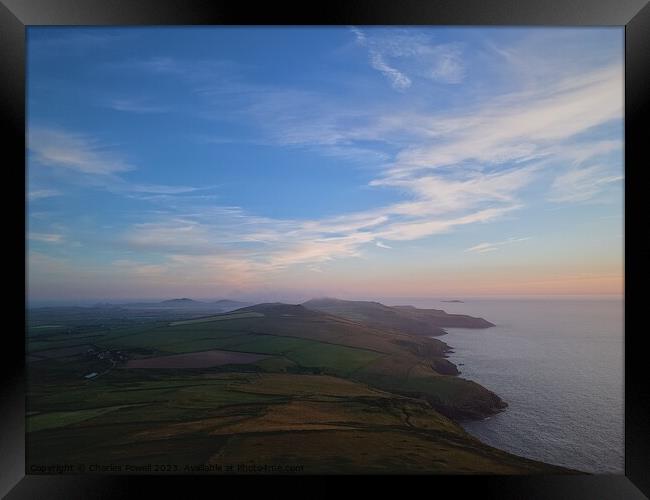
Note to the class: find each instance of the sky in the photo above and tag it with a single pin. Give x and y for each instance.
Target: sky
(354, 161)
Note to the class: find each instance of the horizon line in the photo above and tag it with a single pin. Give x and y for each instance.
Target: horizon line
(126, 300)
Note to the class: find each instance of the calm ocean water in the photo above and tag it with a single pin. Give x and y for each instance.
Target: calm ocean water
(559, 365)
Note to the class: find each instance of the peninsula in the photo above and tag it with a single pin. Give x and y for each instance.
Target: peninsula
(330, 385)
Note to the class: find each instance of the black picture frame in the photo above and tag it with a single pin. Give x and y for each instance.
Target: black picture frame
(16, 15)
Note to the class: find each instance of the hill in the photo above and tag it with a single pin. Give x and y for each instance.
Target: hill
(183, 301)
(405, 319)
(302, 339)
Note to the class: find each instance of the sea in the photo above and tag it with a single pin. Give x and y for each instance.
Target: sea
(559, 364)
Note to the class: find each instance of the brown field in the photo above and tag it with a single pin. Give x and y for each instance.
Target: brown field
(203, 359)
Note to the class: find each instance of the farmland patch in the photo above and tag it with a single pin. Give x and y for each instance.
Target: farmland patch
(203, 359)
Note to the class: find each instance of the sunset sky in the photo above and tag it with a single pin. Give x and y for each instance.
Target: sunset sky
(358, 162)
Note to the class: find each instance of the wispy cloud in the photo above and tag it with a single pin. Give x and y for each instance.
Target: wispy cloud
(46, 237)
(162, 188)
(449, 66)
(135, 106)
(438, 193)
(490, 247)
(255, 247)
(38, 194)
(582, 183)
(75, 152)
(397, 79)
(85, 160)
(518, 127)
(416, 53)
(536, 124)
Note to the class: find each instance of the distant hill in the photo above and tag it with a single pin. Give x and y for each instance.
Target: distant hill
(280, 309)
(406, 319)
(223, 305)
(181, 302)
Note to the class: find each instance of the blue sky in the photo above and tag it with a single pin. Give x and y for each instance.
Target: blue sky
(350, 161)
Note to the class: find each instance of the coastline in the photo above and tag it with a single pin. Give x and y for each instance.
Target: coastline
(558, 365)
(424, 406)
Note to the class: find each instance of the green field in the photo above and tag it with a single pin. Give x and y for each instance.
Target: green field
(340, 359)
(220, 317)
(56, 419)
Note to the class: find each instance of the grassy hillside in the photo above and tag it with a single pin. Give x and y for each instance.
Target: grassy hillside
(324, 392)
(322, 424)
